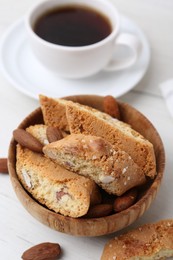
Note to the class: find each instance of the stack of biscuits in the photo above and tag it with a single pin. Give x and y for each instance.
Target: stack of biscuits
(86, 155)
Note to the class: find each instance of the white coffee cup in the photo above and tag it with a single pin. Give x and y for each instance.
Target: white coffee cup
(82, 61)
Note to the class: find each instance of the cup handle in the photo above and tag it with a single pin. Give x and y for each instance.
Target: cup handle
(133, 44)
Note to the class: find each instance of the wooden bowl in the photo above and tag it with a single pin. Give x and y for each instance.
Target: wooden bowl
(94, 226)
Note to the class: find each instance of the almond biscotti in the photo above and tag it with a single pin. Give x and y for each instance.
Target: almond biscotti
(53, 186)
(37, 167)
(77, 118)
(93, 157)
(148, 242)
(89, 121)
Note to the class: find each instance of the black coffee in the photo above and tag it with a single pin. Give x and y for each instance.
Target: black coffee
(73, 26)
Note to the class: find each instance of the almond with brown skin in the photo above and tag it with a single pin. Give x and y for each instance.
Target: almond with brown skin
(107, 198)
(125, 201)
(43, 251)
(110, 106)
(3, 165)
(53, 134)
(27, 140)
(100, 210)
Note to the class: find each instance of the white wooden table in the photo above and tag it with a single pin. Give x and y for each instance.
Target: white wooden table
(18, 229)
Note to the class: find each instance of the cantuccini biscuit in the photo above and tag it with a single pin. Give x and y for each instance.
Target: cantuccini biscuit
(148, 242)
(93, 157)
(89, 121)
(59, 189)
(77, 118)
(53, 186)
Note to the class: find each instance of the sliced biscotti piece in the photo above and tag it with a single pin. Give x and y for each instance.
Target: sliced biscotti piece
(93, 157)
(53, 186)
(148, 242)
(86, 120)
(54, 112)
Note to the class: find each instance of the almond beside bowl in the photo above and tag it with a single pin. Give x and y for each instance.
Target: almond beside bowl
(101, 225)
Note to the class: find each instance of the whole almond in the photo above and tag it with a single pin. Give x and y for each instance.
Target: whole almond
(125, 201)
(53, 134)
(110, 106)
(108, 198)
(3, 165)
(100, 210)
(43, 251)
(27, 140)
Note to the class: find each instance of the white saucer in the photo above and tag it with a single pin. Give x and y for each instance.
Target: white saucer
(27, 75)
